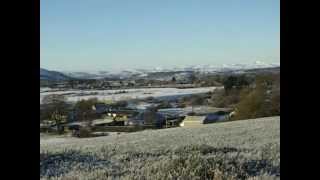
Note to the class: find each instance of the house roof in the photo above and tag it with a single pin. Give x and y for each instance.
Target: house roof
(194, 118)
(141, 116)
(75, 124)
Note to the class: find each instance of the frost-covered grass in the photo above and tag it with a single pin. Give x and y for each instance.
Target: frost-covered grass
(232, 150)
(131, 93)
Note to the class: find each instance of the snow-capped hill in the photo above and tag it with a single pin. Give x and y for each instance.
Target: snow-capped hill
(104, 74)
(207, 68)
(161, 72)
(52, 75)
(83, 75)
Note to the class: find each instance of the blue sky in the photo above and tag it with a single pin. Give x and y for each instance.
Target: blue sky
(79, 35)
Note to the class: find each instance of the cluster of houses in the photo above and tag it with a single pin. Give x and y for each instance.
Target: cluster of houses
(162, 118)
(128, 117)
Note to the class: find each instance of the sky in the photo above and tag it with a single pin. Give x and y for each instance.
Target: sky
(90, 35)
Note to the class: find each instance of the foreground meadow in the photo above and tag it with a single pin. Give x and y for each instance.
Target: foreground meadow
(248, 149)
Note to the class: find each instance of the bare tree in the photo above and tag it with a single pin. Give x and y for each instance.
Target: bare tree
(84, 109)
(150, 116)
(195, 100)
(56, 109)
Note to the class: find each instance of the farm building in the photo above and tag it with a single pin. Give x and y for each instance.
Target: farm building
(102, 122)
(174, 121)
(100, 108)
(215, 117)
(143, 117)
(193, 121)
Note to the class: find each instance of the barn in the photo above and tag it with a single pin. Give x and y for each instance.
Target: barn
(196, 121)
(143, 117)
(215, 117)
(193, 121)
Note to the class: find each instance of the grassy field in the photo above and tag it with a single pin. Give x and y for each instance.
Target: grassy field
(248, 149)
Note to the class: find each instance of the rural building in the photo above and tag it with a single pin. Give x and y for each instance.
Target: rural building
(193, 121)
(142, 118)
(174, 121)
(196, 121)
(100, 108)
(103, 122)
(215, 117)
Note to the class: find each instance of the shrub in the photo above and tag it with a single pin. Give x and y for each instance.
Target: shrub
(237, 82)
(55, 108)
(275, 96)
(251, 105)
(84, 109)
(262, 101)
(275, 101)
(222, 99)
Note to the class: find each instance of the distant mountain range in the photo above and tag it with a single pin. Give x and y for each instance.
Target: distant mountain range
(139, 73)
(52, 75)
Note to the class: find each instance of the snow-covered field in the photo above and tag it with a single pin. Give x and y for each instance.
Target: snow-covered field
(247, 149)
(77, 95)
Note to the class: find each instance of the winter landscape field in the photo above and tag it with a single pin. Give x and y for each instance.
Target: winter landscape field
(76, 95)
(159, 90)
(248, 149)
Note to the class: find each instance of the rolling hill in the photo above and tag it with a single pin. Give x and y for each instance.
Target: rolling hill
(52, 75)
(232, 150)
